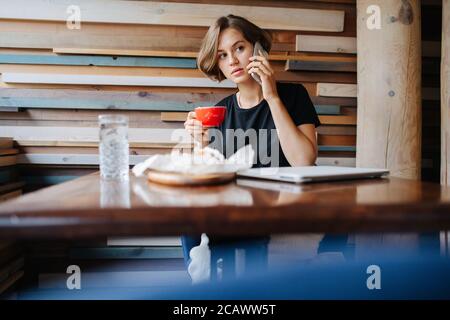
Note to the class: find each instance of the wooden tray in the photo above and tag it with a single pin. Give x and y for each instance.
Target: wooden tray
(182, 179)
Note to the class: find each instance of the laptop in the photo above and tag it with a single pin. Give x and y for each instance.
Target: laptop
(312, 173)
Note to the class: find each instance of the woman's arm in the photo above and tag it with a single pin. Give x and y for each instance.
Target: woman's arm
(299, 144)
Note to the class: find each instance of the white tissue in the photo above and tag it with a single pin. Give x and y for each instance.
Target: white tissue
(200, 266)
(201, 161)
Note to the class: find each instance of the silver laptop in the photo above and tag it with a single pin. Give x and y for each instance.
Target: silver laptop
(312, 173)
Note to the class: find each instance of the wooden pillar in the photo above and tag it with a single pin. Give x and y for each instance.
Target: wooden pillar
(389, 86)
(445, 94)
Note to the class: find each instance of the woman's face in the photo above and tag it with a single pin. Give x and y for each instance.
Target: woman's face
(233, 55)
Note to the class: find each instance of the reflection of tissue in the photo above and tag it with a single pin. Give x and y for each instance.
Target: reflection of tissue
(201, 161)
(200, 266)
(156, 195)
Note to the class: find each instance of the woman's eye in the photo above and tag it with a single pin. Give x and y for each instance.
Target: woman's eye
(222, 56)
(240, 48)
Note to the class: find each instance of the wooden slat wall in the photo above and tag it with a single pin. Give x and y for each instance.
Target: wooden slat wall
(53, 77)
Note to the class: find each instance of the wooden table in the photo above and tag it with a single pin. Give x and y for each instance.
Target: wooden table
(88, 207)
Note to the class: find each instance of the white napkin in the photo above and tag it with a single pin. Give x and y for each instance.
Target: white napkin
(201, 161)
(200, 265)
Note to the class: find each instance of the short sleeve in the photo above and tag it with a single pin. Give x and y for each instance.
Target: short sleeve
(302, 109)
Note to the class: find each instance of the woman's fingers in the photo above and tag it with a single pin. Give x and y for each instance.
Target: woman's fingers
(259, 72)
(260, 66)
(260, 60)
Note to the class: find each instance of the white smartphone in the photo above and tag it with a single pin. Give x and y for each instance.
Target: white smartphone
(256, 52)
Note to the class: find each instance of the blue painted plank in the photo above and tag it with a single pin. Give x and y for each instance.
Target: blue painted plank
(85, 60)
(159, 105)
(99, 104)
(327, 109)
(46, 180)
(337, 148)
(8, 174)
(127, 253)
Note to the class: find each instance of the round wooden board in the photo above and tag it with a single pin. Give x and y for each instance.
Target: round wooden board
(183, 179)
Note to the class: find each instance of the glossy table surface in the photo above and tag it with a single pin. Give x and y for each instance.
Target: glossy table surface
(90, 207)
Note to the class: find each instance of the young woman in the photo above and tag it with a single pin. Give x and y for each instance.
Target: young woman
(281, 109)
(282, 112)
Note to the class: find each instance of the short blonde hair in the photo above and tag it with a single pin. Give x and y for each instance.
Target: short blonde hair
(207, 59)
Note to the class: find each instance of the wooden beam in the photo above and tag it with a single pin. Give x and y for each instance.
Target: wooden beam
(84, 79)
(166, 13)
(389, 95)
(445, 94)
(313, 43)
(292, 65)
(336, 90)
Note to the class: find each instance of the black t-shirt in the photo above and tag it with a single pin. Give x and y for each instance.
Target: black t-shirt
(256, 125)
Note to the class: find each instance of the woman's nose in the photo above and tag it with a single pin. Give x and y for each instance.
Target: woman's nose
(232, 59)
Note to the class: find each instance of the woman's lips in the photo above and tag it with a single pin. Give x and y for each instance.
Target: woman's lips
(237, 72)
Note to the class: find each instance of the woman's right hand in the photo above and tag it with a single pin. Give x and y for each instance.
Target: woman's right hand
(196, 129)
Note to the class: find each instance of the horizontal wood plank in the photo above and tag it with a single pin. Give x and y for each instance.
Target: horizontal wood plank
(5, 142)
(85, 60)
(336, 90)
(324, 119)
(75, 134)
(113, 80)
(125, 52)
(165, 13)
(313, 43)
(292, 65)
(110, 100)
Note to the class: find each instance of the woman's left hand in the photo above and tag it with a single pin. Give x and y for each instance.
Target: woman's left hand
(261, 66)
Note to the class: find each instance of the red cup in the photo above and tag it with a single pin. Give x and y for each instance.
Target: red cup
(210, 116)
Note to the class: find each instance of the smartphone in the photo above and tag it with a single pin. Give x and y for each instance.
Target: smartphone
(256, 52)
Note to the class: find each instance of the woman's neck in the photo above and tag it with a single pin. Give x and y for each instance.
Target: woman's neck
(249, 95)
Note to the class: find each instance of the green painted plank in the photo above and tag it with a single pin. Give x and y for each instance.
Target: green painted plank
(337, 148)
(46, 180)
(8, 174)
(331, 66)
(127, 253)
(328, 109)
(85, 60)
(158, 105)
(100, 104)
